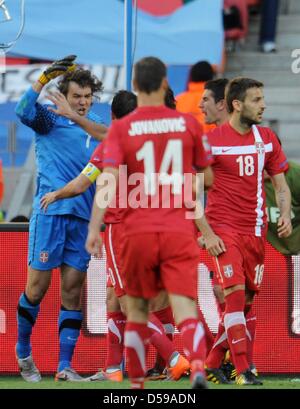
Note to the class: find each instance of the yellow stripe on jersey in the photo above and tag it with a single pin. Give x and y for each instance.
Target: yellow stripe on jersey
(91, 172)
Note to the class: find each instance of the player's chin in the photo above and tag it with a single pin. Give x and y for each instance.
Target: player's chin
(259, 118)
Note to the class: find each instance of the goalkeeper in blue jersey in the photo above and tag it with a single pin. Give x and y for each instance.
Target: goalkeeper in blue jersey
(65, 137)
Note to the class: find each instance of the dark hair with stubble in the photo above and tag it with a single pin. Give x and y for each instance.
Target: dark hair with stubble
(237, 89)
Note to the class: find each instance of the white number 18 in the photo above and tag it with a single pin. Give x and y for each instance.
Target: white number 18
(246, 165)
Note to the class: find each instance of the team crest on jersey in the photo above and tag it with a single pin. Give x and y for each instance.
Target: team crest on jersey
(260, 147)
(228, 271)
(44, 256)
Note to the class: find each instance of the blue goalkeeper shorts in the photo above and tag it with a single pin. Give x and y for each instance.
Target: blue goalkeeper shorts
(57, 240)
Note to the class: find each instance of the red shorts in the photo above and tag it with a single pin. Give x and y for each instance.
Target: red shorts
(152, 261)
(113, 240)
(243, 261)
(108, 281)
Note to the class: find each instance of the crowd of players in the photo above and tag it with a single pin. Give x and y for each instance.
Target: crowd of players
(151, 229)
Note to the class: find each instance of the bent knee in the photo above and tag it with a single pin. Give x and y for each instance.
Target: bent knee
(35, 294)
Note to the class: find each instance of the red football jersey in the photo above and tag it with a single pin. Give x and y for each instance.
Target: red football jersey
(113, 213)
(159, 146)
(236, 200)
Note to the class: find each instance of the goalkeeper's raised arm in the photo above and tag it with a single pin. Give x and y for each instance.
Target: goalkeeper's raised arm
(57, 68)
(76, 90)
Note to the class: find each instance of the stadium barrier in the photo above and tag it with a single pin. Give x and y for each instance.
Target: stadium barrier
(278, 311)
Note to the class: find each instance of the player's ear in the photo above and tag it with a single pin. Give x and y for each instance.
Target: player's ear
(237, 105)
(221, 105)
(134, 85)
(165, 84)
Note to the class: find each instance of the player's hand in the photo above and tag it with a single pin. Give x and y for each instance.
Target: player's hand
(62, 106)
(93, 243)
(284, 227)
(214, 245)
(58, 68)
(47, 199)
(201, 242)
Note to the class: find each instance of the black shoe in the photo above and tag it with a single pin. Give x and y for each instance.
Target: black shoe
(247, 378)
(154, 374)
(199, 381)
(216, 375)
(229, 371)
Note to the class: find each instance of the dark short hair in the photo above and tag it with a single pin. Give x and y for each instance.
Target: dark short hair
(170, 100)
(19, 219)
(123, 103)
(201, 71)
(217, 88)
(83, 78)
(237, 88)
(149, 73)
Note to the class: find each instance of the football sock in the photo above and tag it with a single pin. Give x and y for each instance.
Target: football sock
(69, 323)
(136, 343)
(166, 317)
(220, 346)
(235, 325)
(115, 338)
(208, 335)
(222, 306)
(159, 339)
(193, 337)
(250, 331)
(26, 317)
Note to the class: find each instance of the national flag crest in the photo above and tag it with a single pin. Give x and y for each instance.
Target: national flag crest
(260, 147)
(44, 256)
(228, 271)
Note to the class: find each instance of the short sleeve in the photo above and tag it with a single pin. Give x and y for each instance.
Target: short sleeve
(276, 160)
(97, 156)
(113, 155)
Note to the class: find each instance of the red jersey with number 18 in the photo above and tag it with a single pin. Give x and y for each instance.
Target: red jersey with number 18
(160, 148)
(236, 201)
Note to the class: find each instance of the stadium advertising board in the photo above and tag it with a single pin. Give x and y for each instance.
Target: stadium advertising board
(277, 307)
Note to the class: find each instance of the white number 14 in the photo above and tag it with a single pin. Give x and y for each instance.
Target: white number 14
(172, 157)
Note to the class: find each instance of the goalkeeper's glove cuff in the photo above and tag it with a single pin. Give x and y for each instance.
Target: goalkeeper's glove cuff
(43, 79)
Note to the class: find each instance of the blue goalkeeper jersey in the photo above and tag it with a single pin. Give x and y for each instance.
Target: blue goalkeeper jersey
(62, 150)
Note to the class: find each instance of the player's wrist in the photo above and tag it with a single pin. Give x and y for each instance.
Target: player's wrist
(43, 79)
(285, 215)
(93, 228)
(73, 116)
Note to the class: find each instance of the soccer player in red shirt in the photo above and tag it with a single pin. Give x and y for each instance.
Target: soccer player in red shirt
(236, 213)
(159, 249)
(123, 103)
(214, 108)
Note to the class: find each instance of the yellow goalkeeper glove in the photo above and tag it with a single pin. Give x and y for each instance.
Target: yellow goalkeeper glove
(58, 68)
